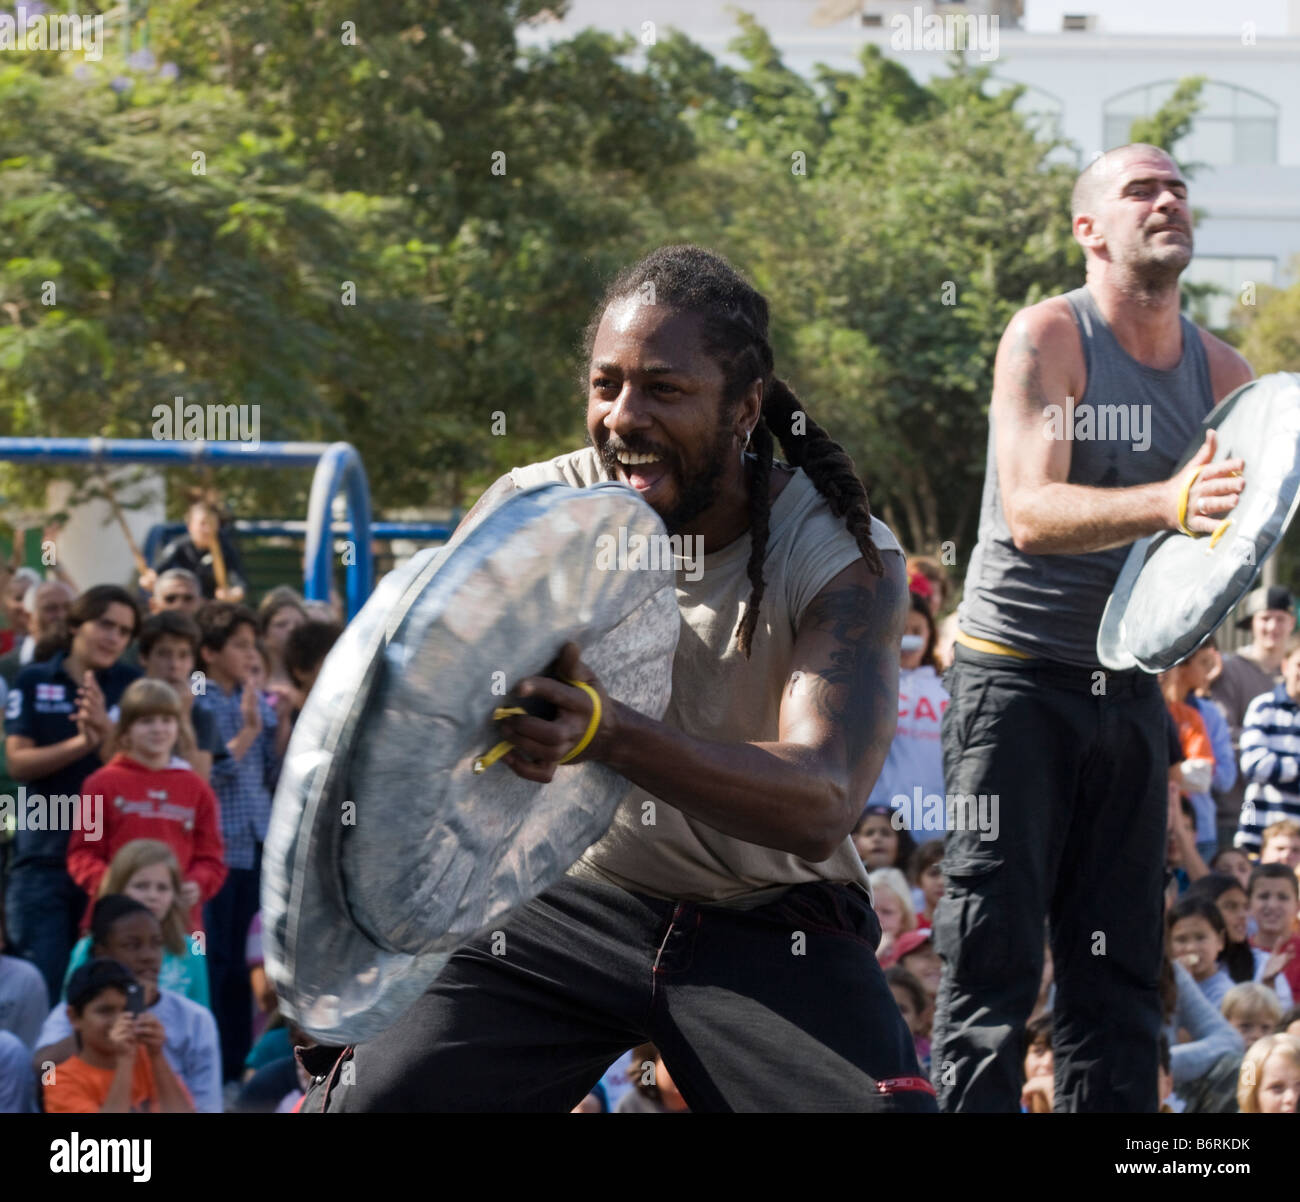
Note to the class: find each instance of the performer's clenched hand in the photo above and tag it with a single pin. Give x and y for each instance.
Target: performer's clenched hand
(540, 743)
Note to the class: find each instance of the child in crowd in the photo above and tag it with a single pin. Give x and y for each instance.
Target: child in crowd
(892, 901)
(927, 880)
(124, 930)
(146, 870)
(305, 652)
(119, 1066)
(244, 783)
(59, 712)
(1233, 862)
(259, 675)
(1196, 771)
(1252, 1011)
(1182, 861)
(1281, 844)
(915, 952)
(1196, 934)
(915, 1007)
(879, 842)
(1273, 905)
(1243, 962)
(150, 793)
(1039, 1067)
(1199, 672)
(1270, 1076)
(1270, 755)
(1210, 1048)
(280, 613)
(913, 769)
(169, 651)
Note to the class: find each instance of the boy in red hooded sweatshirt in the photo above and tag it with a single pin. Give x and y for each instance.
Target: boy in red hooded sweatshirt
(147, 792)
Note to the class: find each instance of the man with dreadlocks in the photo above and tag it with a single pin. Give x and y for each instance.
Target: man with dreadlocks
(735, 931)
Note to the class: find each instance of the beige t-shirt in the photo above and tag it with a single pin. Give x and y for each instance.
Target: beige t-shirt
(719, 695)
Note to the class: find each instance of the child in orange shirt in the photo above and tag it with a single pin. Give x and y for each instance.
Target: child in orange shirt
(119, 1067)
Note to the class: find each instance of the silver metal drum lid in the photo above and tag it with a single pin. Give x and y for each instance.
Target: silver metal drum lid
(385, 850)
(1174, 591)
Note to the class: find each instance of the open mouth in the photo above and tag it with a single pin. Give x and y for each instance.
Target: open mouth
(642, 471)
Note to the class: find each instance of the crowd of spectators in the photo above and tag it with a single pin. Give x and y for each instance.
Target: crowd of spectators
(131, 975)
(1231, 973)
(130, 968)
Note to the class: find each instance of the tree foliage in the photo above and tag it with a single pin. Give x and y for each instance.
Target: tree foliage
(201, 226)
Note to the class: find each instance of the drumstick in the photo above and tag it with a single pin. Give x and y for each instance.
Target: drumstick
(141, 566)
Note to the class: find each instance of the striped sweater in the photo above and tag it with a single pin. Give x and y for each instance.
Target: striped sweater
(1270, 766)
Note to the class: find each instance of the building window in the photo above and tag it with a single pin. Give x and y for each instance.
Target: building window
(1228, 277)
(1235, 127)
(1042, 111)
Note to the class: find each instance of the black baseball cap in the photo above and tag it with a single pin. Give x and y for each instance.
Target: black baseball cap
(1274, 597)
(93, 977)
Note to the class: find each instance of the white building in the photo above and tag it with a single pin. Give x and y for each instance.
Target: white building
(1090, 67)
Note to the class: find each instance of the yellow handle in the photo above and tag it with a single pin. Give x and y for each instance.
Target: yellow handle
(1182, 502)
(484, 762)
(592, 726)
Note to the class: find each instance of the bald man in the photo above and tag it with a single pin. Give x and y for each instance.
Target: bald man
(1096, 394)
(46, 606)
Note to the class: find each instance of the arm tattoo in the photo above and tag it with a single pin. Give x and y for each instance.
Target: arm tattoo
(859, 683)
(1030, 375)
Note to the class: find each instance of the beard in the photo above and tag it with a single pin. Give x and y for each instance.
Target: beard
(698, 482)
(1156, 268)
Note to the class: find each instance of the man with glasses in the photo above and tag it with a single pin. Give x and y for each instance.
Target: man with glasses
(178, 589)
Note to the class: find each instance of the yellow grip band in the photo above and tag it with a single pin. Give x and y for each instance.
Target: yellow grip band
(1219, 531)
(1182, 503)
(484, 762)
(592, 726)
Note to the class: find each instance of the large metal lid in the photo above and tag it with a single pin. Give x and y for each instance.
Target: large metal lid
(385, 850)
(1174, 591)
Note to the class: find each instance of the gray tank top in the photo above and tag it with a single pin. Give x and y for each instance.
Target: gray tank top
(1131, 426)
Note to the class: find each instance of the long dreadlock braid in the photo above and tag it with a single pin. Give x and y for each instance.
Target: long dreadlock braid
(734, 318)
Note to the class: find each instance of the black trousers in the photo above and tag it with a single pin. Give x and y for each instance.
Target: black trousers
(227, 917)
(1077, 762)
(779, 1008)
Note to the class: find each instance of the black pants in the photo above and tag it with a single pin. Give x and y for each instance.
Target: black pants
(44, 907)
(227, 918)
(1078, 765)
(782, 1007)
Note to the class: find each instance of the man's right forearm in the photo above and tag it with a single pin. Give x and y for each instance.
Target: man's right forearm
(1072, 519)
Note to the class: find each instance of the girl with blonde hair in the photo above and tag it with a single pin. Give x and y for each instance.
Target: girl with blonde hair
(892, 901)
(147, 870)
(1269, 1082)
